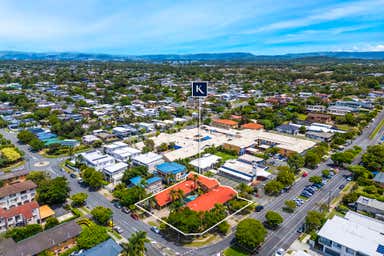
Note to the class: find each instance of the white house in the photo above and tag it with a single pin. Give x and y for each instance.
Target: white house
(125, 154)
(353, 235)
(114, 173)
(149, 160)
(109, 148)
(96, 159)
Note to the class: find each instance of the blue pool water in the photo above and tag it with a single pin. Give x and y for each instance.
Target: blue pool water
(190, 198)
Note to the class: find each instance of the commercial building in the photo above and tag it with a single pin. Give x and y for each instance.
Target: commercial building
(149, 160)
(205, 163)
(114, 173)
(353, 235)
(244, 171)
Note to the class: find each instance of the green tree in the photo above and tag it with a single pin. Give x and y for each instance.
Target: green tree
(316, 179)
(25, 136)
(36, 144)
(79, 199)
(223, 227)
(290, 205)
(51, 222)
(37, 176)
(52, 192)
(311, 159)
(273, 219)
(136, 244)
(273, 187)
(101, 214)
(373, 158)
(325, 173)
(250, 233)
(93, 178)
(285, 177)
(91, 235)
(21, 233)
(295, 162)
(314, 220)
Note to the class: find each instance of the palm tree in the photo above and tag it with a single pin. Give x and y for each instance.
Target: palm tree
(136, 244)
(174, 195)
(195, 178)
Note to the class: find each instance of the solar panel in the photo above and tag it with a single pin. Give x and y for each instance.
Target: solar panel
(380, 249)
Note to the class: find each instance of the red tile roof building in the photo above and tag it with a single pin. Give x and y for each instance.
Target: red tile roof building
(21, 215)
(207, 201)
(252, 126)
(215, 194)
(224, 123)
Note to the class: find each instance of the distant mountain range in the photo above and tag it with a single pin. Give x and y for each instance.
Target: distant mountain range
(233, 56)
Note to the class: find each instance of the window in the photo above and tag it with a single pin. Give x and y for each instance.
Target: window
(325, 241)
(336, 245)
(331, 252)
(349, 251)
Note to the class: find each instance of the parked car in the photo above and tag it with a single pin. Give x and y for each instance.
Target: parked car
(125, 210)
(117, 205)
(259, 208)
(135, 216)
(341, 186)
(118, 229)
(305, 174)
(280, 252)
(72, 175)
(155, 230)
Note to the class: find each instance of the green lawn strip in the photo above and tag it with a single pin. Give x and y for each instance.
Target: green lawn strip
(376, 130)
(225, 156)
(235, 251)
(13, 166)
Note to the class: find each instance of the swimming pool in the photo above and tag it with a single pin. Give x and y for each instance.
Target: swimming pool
(190, 198)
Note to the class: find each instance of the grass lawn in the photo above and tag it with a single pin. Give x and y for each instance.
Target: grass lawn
(225, 156)
(301, 116)
(344, 127)
(377, 129)
(202, 242)
(234, 251)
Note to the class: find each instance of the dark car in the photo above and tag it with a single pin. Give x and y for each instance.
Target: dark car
(259, 208)
(135, 216)
(341, 186)
(125, 210)
(117, 205)
(72, 175)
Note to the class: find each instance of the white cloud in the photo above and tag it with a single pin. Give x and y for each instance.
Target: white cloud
(327, 14)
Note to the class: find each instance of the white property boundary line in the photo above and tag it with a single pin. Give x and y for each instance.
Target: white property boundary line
(192, 234)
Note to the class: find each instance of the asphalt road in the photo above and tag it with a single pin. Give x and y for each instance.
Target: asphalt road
(286, 234)
(121, 219)
(280, 238)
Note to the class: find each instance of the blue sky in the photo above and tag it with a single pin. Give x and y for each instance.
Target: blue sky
(166, 26)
